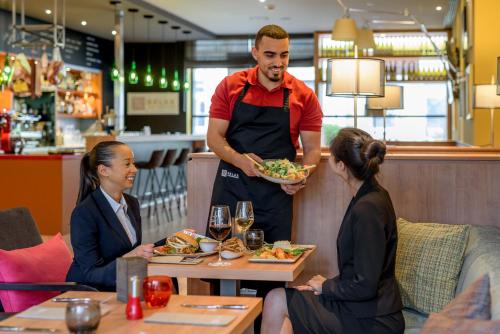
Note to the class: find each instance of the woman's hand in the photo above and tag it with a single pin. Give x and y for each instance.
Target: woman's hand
(145, 251)
(315, 284)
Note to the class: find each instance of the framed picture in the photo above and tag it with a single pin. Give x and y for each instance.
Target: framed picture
(145, 104)
(469, 92)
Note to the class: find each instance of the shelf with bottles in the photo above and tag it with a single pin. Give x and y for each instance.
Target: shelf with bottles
(401, 69)
(388, 44)
(78, 115)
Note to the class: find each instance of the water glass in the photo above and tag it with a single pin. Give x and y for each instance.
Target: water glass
(254, 239)
(83, 316)
(157, 290)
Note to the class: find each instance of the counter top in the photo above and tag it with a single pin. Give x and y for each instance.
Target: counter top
(163, 137)
(40, 156)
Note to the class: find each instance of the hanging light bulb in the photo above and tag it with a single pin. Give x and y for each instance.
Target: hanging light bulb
(7, 72)
(163, 79)
(148, 78)
(163, 82)
(115, 73)
(186, 84)
(176, 85)
(133, 77)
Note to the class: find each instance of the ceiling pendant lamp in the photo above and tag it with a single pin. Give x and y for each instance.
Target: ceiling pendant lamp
(115, 73)
(365, 38)
(186, 86)
(148, 78)
(6, 74)
(345, 29)
(163, 82)
(133, 77)
(176, 85)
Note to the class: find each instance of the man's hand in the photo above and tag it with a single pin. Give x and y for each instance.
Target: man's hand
(246, 165)
(291, 189)
(145, 251)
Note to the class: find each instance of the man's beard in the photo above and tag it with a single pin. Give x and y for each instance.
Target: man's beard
(275, 77)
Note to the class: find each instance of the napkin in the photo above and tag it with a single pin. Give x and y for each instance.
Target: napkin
(190, 319)
(51, 313)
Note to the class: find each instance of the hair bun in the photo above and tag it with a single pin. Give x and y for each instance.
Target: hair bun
(375, 151)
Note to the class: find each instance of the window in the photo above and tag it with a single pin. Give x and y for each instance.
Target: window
(424, 117)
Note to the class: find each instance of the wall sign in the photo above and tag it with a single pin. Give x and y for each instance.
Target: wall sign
(152, 104)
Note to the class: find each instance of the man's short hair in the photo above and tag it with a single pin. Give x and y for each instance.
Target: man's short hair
(271, 31)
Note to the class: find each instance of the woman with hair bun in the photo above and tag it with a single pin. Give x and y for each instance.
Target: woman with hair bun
(364, 297)
(106, 223)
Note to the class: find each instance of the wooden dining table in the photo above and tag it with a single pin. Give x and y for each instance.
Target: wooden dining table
(116, 322)
(240, 269)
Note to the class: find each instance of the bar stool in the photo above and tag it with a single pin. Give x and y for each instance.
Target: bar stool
(167, 186)
(150, 167)
(180, 184)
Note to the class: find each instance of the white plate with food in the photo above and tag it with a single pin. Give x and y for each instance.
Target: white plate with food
(283, 171)
(183, 243)
(279, 252)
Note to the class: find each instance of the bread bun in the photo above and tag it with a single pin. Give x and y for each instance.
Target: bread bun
(187, 238)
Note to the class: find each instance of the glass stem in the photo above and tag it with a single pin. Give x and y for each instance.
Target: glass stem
(220, 248)
(245, 238)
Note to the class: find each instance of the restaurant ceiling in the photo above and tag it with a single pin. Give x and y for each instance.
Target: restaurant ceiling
(208, 19)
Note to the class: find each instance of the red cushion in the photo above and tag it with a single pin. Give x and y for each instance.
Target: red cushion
(47, 262)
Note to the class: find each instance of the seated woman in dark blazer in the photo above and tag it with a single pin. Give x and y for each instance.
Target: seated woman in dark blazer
(364, 297)
(106, 223)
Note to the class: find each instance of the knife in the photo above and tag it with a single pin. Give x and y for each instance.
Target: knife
(217, 306)
(70, 299)
(27, 329)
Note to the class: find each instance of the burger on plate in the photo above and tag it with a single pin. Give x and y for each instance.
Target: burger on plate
(182, 243)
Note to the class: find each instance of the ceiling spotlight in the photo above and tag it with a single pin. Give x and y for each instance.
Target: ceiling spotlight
(262, 1)
(438, 8)
(48, 11)
(113, 32)
(83, 23)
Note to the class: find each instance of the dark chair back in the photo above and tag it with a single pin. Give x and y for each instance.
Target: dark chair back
(169, 158)
(18, 229)
(182, 159)
(154, 161)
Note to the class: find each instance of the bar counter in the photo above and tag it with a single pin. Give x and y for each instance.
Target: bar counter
(443, 187)
(46, 184)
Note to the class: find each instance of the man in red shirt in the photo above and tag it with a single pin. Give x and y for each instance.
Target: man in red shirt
(262, 112)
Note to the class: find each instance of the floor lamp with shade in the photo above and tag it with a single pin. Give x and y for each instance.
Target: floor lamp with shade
(353, 77)
(485, 97)
(393, 99)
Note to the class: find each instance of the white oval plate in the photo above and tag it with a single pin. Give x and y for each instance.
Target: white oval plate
(228, 255)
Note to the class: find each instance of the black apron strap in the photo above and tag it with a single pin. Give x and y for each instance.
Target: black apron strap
(286, 107)
(243, 92)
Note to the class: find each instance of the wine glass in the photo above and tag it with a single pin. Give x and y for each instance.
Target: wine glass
(244, 217)
(219, 226)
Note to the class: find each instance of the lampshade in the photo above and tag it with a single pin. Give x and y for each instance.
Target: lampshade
(393, 99)
(485, 96)
(355, 77)
(344, 29)
(365, 39)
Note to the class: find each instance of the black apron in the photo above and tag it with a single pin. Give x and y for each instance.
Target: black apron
(264, 131)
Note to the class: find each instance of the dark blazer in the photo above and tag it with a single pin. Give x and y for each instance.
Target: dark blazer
(98, 238)
(366, 254)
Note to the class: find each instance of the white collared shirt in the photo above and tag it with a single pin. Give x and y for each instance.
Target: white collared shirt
(120, 209)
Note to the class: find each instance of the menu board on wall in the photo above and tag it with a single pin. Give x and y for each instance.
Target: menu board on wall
(80, 49)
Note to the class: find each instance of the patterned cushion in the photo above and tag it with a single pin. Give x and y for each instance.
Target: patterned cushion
(441, 324)
(473, 303)
(428, 262)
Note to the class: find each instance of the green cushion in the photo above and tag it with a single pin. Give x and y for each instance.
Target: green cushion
(428, 263)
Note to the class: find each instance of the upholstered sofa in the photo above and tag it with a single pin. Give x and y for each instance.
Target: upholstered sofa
(482, 255)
